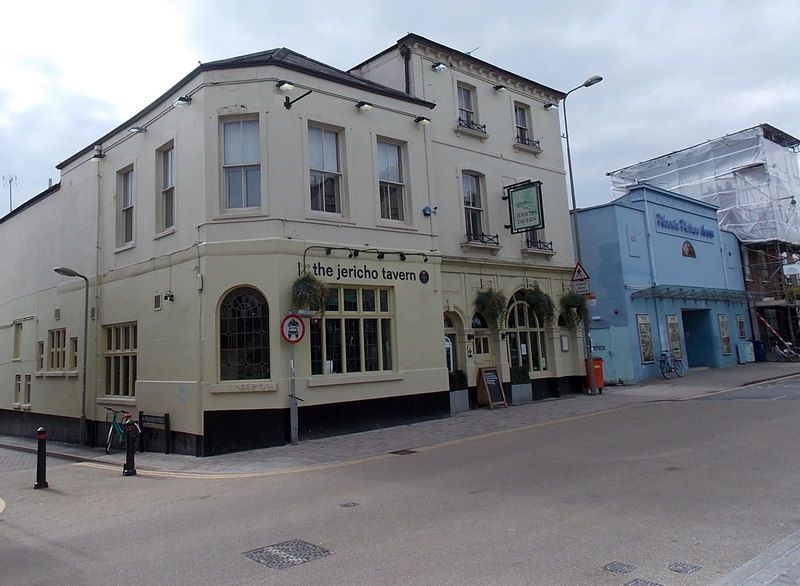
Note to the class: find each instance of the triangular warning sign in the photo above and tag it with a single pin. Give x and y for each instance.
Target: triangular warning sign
(579, 274)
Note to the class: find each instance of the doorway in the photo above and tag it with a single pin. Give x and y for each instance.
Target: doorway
(697, 329)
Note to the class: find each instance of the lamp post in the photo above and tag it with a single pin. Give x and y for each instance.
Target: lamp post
(587, 340)
(67, 272)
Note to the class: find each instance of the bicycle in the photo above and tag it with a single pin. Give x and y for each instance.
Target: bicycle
(785, 354)
(119, 429)
(670, 365)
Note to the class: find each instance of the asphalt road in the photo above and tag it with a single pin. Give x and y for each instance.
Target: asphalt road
(709, 482)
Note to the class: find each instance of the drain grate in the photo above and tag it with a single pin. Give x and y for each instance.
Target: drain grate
(682, 568)
(619, 568)
(287, 554)
(403, 452)
(639, 582)
(350, 504)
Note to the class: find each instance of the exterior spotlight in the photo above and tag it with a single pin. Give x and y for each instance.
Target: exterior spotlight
(355, 253)
(422, 121)
(424, 258)
(363, 106)
(328, 251)
(403, 256)
(182, 102)
(98, 153)
(284, 86)
(438, 66)
(137, 129)
(499, 87)
(381, 256)
(550, 106)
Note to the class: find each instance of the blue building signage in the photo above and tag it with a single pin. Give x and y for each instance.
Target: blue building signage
(683, 227)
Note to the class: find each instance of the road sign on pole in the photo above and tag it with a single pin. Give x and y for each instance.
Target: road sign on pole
(579, 273)
(581, 287)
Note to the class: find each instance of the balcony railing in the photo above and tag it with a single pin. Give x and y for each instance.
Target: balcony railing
(482, 238)
(540, 245)
(470, 125)
(524, 140)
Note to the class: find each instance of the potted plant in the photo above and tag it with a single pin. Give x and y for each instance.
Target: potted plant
(541, 304)
(574, 308)
(521, 389)
(459, 395)
(492, 305)
(308, 292)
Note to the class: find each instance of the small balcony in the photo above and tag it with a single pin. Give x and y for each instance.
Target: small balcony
(479, 240)
(539, 247)
(525, 143)
(471, 128)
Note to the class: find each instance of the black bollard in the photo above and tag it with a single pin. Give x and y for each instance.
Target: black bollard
(129, 469)
(41, 459)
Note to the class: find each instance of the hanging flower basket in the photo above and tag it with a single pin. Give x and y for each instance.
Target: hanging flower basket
(308, 292)
(541, 304)
(492, 305)
(574, 308)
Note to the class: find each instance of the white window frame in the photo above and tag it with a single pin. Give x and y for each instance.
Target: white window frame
(165, 189)
(472, 210)
(40, 351)
(389, 183)
(126, 200)
(26, 395)
(16, 352)
(329, 169)
(120, 352)
(56, 349)
(523, 132)
(243, 166)
(467, 107)
(17, 389)
(73, 354)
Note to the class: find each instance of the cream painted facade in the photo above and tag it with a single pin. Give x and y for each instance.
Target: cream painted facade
(170, 283)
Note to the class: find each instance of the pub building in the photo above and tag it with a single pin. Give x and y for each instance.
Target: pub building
(409, 186)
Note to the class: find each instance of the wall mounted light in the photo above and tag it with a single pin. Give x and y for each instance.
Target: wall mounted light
(424, 258)
(328, 251)
(182, 102)
(381, 256)
(284, 85)
(438, 66)
(550, 106)
(428, 210)
(402, 256)
(422, 121)
(98, 153)
(363, 106)
(499, 87)
(137, 129)
(353, 254)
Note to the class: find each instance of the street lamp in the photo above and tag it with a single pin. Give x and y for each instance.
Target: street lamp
(67, 272)
(595, 79)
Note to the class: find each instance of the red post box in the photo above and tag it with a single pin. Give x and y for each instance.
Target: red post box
(598, 373)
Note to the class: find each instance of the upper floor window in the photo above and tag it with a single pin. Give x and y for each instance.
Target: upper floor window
(56, 349)
(466, 111)
(521, 119)
(125, 201)
(392, 185)
(244, 335)
(535, 240)
(241, 164)
(473, 205)
(325, 170)
(165, 206)
(17, 347)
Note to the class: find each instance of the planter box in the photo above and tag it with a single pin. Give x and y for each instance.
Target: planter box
(459, 401)
(519, 394)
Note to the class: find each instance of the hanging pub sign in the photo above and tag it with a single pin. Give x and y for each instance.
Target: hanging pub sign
(525, 206)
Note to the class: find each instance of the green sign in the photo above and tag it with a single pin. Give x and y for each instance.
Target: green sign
(525, 206)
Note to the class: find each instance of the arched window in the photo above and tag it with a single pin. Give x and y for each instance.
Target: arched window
(525, 335)
(244, 335)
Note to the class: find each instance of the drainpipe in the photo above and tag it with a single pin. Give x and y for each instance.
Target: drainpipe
(406, 53)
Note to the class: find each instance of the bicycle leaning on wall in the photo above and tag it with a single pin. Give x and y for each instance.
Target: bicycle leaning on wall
(783, 353)
(670, 365)
(118, 432)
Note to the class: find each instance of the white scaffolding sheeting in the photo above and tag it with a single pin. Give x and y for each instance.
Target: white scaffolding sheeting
(751, 176)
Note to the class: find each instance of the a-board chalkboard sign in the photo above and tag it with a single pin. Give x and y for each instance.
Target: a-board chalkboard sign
(490, 389)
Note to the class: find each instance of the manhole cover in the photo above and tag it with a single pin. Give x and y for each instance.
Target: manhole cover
(682, 568)
(639, 582)
(403, 452)
(619, 568)
(287, 554)
(350, 504)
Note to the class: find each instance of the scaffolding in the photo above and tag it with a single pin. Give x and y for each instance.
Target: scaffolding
(751, 176)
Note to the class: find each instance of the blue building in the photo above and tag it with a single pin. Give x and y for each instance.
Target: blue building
(665, 277)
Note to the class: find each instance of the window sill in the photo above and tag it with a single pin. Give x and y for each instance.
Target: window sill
(537, 252)
(227, 214)
(16, 405)
(395, 224)
(25, 406)
(330, 217)
(16, 359)
(536, 151)
(329, 380)
(243, 387)
(124, 247)
(52, 373)
(111, 400)
(166, 232)
(72, 373)
(459, 130)
(471, 244)
(38, 373)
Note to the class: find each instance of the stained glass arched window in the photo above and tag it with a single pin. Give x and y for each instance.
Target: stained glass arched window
(525, 335)
(244, 335)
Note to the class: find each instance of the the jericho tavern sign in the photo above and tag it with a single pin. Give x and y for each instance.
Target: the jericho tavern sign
(525, 206)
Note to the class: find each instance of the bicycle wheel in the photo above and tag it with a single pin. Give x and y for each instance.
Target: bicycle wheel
(680, 369)
(110, 439)
(666, 371)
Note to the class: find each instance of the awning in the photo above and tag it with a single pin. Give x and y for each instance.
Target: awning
(683, 292)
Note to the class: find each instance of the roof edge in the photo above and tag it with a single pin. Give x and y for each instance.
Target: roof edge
(32, 201)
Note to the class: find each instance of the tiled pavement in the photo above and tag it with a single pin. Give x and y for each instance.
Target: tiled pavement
(780, 564)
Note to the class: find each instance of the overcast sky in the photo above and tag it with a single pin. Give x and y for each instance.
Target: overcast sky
(676, 72)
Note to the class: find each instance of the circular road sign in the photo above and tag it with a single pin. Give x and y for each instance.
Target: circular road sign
(293, 328)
